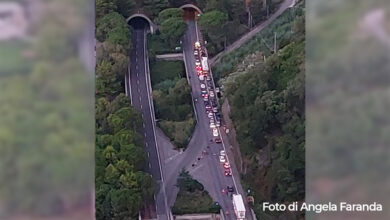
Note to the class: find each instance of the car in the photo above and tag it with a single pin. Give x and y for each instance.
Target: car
(206, 98)
(198, 68)
(197, 45)
(215, 132)
(230, 188)
(197, 63)
(222, 153)
(211, 93)
(204, 93)
(218, 140)
(228, 172)
(212, 125)
(222, 159)
(202, 86)
(208, 78)
(208, 107)
(210, 115)
(199, 72)
(196, 52)
(218, 123)
(226, 165)
(224, 191)
(201, 77)
(215, 109)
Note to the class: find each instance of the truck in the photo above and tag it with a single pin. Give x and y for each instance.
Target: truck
(205, 65)
(239, 207)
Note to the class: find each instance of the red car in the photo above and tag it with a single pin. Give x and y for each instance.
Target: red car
(198, 68)
(228, 172)
(226, 165)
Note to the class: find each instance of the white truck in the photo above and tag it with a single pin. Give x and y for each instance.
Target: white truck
(205, 65)
(239, 207)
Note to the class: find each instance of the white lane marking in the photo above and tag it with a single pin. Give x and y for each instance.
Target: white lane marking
(143, 125)
(147, 145)
(131, 98)
(137, 81)
(139, 98)
(148, 152)
(141, 106)
(153, 126)
(150, 166)
(137, 74)
(145, 134)
(139, 91)
(136, 67)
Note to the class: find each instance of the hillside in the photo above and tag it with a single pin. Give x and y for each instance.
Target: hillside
(267, 102)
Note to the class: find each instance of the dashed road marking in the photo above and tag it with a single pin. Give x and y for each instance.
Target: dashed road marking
(150, 166)
(148, 154)
(143, 125)
(138, 82)
(141, 106)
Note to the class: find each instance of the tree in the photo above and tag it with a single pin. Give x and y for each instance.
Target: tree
(153, 7)
(172, 25)
(125, 7)
(104, 7)
(113, 27)
(213, 23)
(170, 13)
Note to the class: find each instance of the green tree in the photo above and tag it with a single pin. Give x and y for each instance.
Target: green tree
(172, 25)
(213, 24)
(113, 27)
(103, 7)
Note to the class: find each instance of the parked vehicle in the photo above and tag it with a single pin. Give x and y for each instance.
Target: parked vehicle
(215, 132)
(218, 140)
(230, 188)
(228, 172)
(222, 159)
(222, 153)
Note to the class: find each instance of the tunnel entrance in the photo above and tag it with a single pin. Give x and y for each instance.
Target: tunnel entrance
(140, 21)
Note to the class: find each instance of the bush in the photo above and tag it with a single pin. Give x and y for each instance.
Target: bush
(192, 198)
(179, 132)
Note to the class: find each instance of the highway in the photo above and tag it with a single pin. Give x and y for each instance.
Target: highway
(138, 88)
(208, 170)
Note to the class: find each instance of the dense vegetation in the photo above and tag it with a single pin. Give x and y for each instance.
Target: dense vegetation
(46, 123)
(192, 198)
(224, 21)
(268, 114)
(172, 98)
(264, 42)
(121, 183)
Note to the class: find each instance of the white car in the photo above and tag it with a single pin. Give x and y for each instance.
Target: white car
(210, 115)
(222, 153)
(222, 159)
(212, 94)
(202, 86)
(212, 125)
(201, 77)
(197, 63)
(215, 132)
(196, 53)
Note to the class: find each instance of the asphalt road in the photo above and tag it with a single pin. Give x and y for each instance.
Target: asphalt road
(139, 90)
(208, 170)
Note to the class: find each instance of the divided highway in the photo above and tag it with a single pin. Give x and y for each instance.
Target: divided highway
(137, 83)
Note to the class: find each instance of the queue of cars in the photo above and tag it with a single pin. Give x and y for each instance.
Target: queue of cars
(207, 90)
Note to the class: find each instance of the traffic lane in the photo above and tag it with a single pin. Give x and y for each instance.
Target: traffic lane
(219, 180)
(141, 102)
